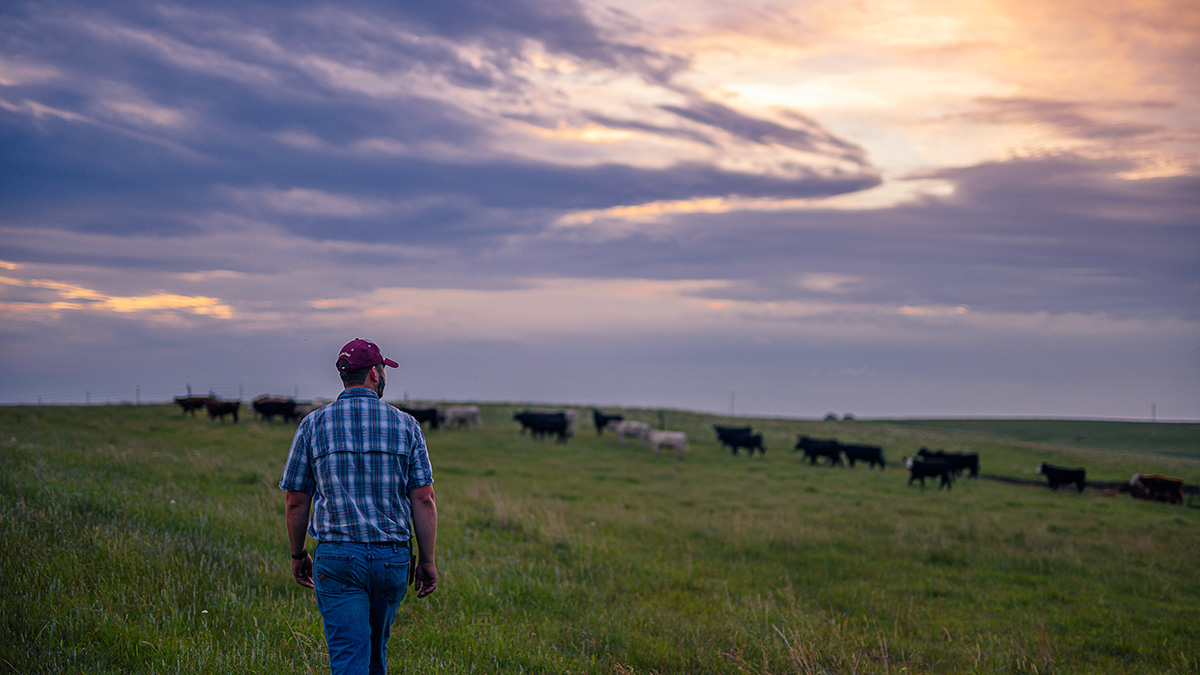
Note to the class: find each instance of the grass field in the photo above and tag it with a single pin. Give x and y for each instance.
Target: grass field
(141, 541)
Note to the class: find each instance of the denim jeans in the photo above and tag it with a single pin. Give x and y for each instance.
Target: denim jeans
(359, 589)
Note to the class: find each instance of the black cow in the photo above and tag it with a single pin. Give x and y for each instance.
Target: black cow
(191, 404)
(871, 454)
(920, 469)
(750, 442)
(601, 420)
(733, 437)
(1057, 476)
(815, 448)
(741, 437)
(541, 423)
(524, 418)
(959, 461)
(269, 407)
(723, 431)
(219, 409)
(423, 415)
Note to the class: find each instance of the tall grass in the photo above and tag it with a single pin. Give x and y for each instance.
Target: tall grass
(142, 541)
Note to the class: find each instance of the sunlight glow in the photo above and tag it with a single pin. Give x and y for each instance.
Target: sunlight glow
(662, 308)
(890, 193)
(74, 297)
(589, 133)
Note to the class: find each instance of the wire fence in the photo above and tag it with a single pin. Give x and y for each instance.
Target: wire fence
(138, 394)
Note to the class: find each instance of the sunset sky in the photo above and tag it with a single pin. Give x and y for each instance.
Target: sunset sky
(890, 208)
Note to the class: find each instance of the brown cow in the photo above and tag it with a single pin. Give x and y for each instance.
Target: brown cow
(1157, 488)
(191, 404)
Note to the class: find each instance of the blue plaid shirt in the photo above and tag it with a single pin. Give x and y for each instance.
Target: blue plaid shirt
(358, 457)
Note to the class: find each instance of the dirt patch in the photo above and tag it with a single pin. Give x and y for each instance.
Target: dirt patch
(1102, 488)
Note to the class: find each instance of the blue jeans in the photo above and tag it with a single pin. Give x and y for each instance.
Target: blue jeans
(359, 589)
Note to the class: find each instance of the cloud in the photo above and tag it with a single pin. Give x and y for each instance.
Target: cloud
(686, 187)
(38, 110)
(70, 297)
(175, 51)
(809, 138)
(300, 201)
(14, 73)
(142, 113)
(1075, 119)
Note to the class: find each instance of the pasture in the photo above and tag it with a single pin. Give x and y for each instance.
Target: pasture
(139, 540)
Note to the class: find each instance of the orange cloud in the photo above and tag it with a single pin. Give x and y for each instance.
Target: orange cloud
(74, 297)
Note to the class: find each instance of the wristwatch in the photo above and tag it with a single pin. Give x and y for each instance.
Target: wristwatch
(301, 555)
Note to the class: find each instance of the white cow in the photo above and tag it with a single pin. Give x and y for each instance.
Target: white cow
(626, 429)
(303, 409)
(456, 416)
(669, 439)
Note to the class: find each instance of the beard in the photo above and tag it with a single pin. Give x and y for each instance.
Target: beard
(382, 383)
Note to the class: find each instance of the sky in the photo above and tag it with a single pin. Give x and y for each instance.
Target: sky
(887, 208)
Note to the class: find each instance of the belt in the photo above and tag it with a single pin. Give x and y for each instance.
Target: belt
(410, 544)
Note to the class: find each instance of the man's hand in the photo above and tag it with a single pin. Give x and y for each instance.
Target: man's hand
(426, 578)
(296, 508)
(302, 570)
(424, 520)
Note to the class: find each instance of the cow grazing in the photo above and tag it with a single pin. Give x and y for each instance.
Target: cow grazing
(460, 417)
(424, 416)
(571, 414)
(815, 448)
(750, 442)
(871, 454)
(1061, 475)
(920, 469)
(626, 429)
(667, 439)
(524, 417)
(959, 461)
(268, 408)
(190, 404)
(219, 409)
(736, 438)
(1156, 487)
(724, 433)
(541, 424)
(602, 420)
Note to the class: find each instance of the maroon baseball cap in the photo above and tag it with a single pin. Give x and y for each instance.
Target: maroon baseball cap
(360, 353)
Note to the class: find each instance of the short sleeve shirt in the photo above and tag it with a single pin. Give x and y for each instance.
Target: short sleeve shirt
(358, 457)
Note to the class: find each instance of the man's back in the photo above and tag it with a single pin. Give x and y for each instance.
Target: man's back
(359, 457)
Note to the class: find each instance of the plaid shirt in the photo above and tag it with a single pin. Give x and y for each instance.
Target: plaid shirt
(359, 458)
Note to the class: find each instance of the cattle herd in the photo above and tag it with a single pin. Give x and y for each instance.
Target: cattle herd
(943, 466)
(290, 410)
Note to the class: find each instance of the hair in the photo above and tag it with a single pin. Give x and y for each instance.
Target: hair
(354, 378)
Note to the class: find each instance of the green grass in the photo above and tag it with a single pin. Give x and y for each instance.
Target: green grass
(141, 541)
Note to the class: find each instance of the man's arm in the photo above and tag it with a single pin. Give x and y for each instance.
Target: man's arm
(296, 513)
(424, 520)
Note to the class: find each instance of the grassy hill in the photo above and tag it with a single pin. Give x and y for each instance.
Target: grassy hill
(143, 541)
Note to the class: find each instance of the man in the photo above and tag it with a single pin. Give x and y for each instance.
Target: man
(363, 468)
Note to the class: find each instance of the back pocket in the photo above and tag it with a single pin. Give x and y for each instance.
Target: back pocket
(333, 574)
